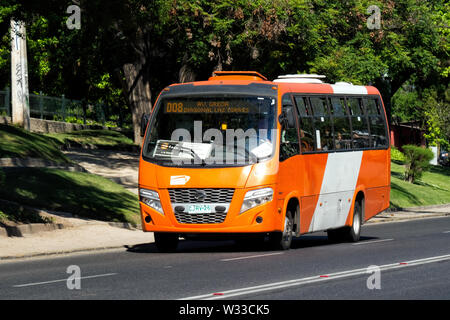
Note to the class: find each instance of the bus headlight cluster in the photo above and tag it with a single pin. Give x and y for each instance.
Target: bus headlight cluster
(255, 198)
(151, 198)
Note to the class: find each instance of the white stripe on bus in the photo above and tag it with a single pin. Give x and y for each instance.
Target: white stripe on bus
(338, 186)
(348, 89)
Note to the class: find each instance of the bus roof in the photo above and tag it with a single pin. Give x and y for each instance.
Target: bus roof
(301, 83)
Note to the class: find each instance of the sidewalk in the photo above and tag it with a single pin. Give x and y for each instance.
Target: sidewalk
(412, 213)
(78, 238)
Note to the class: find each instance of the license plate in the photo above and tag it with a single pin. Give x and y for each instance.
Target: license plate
(199, 208)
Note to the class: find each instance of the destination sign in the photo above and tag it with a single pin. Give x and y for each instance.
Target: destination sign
(210, 106)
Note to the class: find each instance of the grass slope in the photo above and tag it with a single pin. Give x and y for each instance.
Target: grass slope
(18, 143)
(82, 194)
(103, 138)
(433, 188)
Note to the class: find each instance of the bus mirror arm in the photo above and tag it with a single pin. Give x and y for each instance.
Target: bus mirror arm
(144, 121)
(286, 118)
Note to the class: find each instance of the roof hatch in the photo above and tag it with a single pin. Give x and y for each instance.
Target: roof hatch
(300, 78)
(237, 75)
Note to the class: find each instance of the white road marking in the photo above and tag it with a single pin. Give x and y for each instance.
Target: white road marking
(370, 242)
(313, 279)
(251, 257)
(61, 280)
(446, 231)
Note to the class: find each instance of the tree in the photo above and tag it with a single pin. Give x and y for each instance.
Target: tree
(437, 117)
(128, 50)
(417, 160)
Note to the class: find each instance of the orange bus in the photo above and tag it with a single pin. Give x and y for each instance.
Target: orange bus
(240, 155)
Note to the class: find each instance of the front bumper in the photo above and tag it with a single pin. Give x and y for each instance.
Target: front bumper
(235, 222)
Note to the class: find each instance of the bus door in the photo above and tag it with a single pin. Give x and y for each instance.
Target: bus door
(289, 169)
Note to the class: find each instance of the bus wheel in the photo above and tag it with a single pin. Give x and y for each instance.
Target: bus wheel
(283, 240)
(166, 242)
(351, 233)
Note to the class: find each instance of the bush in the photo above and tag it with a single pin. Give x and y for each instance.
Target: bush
(397, 155)
(417, 160)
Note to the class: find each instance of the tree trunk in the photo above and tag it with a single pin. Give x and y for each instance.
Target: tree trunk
(186, 74)
(139, 95)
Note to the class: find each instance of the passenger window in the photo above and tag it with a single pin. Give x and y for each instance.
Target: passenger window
(322, 124)
(306, 127)
(372, 107)
(354, 105)
(302, 107)
(377, 123)
(289, 146)
(341, 123)
(360, 129)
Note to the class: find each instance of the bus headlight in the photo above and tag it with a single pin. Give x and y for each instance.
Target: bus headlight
(255, 198)
(151, 198)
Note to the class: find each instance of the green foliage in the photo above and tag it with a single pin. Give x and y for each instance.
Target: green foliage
(83, 194)
(406, 104)
(397, 155)
(18, 143)
(99, 138)
(185, 40)
(12, 212)
(437, 116)
(417, 160)
(432, 189)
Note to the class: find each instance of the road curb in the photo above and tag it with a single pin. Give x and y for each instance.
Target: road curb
(21, 230)
(413, 209)
(32, 228)
(61, 252)
(384, 219)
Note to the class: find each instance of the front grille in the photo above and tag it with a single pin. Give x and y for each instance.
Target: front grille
(192, 195)
(203, 218)
(215, 197)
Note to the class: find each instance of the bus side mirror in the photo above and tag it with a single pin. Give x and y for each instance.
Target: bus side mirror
(287, 117)
(144, 121)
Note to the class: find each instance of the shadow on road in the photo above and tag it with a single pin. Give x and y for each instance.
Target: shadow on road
(207, 246)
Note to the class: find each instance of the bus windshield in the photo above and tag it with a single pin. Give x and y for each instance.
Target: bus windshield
(222, 130)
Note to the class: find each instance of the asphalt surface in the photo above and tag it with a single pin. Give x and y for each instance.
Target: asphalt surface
(413, 257)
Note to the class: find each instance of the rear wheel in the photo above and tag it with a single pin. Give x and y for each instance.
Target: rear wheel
(354, 232)
(283, 240)
(166, 242)
(351, 233)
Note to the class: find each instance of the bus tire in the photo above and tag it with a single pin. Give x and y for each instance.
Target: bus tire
(351, 233)
(166, 242)
(283, 240)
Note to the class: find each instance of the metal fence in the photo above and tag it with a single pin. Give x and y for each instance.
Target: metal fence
(63, 109)
(5, 106)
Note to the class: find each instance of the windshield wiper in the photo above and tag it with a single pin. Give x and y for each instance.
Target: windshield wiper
(192, 153)
(251, 156)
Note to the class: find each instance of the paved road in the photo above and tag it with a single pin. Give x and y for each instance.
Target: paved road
(414, 258)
